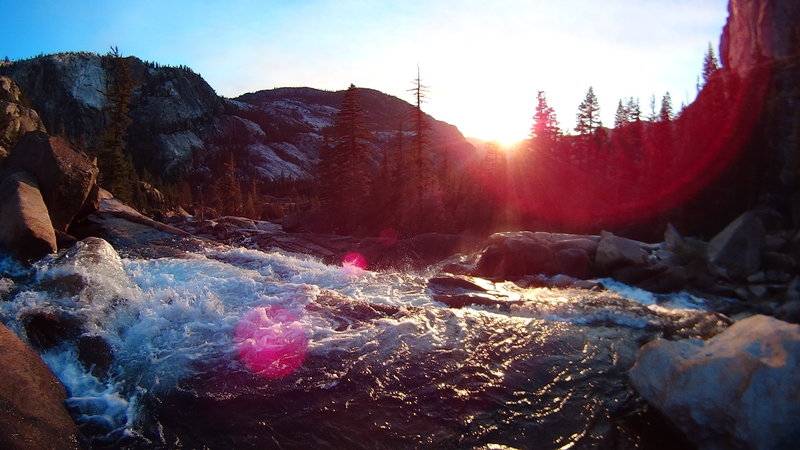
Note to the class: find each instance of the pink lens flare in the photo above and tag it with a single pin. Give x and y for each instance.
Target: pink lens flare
(354, 264)
(388, 237)
(271, 341)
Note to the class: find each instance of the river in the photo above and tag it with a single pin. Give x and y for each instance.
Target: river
(238, 348)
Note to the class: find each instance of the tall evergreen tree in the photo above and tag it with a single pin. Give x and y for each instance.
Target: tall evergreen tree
(634, 111)
(665, 113)
(588, 116)
(622, 116)
(342, 170)
(116, 170)
(710, 65)
(545, 131)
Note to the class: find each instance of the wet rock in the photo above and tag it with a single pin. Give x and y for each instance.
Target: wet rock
(514, 258)
(25, 228)
(615, 251)
(95, 354)
(455, 283)
(474, 299)
(736, 390)
(574, 262)
(65, 177)
(673, 279)
(737, 248)
(789, 312)
(46, 329)
(32, 413)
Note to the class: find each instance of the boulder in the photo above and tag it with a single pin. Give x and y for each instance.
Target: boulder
(513, 258)
(25, 229)
(615, 251)
(65, 176)
(32, 412)
(737, 248)
(737, 390)
(574, 262)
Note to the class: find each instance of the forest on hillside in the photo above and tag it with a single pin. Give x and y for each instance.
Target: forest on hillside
(652, 167)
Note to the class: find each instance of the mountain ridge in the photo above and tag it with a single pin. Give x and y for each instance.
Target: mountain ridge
(177, 115)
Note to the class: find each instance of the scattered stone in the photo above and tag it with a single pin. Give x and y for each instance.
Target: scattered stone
(737, 248)
(758, 290)
(789, 312)
(672, 238)
(32, 412)
(25, 228)
(673, 279)
(737, 390)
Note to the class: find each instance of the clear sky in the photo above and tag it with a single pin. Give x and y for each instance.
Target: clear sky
(484, 61)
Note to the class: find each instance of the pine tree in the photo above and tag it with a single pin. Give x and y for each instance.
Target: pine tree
(545, 131)
(116, 170)
(419, 141)
(342, 170)
(634, 111)
(622, 116)
(710, 65)
(665, 113)
(588, 115)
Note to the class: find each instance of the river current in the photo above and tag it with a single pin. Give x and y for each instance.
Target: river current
(238, 348)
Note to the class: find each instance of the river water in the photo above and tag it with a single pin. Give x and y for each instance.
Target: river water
(238, 348)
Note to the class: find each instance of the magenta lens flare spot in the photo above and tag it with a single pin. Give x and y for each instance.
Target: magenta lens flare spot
(354, 264)
(388, 236)
(271, 341)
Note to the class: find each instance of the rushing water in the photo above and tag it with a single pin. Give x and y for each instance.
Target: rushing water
(236, 348)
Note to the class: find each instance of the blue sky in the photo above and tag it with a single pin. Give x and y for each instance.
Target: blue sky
(484, 61)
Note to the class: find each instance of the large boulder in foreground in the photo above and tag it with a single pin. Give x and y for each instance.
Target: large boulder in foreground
(65, 176)
(25, 228)
(32, 412)
(740, 389)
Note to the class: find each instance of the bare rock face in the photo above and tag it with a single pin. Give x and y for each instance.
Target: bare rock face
(737, 390)
(15, 119)
(25, 228)
(65, 176)
(32, 412)
(759, 30)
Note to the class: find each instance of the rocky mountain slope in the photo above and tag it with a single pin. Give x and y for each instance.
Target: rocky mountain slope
(176, 114)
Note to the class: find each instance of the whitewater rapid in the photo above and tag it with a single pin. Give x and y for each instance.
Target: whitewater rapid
(373, 359)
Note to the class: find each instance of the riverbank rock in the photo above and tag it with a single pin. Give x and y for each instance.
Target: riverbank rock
(737, 390)
(25, 228)
(32, 412)
(65, 176)
(737, 248)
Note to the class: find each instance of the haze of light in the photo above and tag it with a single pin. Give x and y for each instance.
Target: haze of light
(483, 61)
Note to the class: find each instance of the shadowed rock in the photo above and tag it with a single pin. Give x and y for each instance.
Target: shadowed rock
(32, 413)
(25, 228)
(65, 177)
